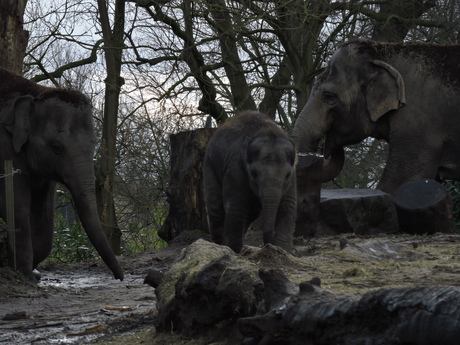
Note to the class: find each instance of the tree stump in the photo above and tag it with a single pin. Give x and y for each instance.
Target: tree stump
(424, 207)
(185, 195)
(359, 211)
(308, 170)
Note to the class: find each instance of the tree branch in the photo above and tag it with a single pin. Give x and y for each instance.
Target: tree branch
(208, 104)
(60, 71)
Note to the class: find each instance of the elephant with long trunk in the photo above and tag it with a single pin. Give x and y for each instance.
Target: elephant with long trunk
(249, 170)
(407, 94)
(48, 134)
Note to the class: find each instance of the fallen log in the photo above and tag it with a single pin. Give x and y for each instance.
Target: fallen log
(416, 315)
(424, 207)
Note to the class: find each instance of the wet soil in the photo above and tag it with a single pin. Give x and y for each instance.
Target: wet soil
(82, 304)
(79, 303)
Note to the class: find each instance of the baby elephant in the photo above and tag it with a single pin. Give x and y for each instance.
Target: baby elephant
(249, 170)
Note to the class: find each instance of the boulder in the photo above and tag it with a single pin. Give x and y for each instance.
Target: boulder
(359, 211)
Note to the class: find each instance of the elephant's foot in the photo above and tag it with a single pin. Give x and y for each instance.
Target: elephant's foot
(31, 276)
(36, 273)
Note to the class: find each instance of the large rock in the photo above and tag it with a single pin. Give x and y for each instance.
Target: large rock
(360, 211)
(208, 285)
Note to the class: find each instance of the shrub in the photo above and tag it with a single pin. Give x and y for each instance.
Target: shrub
(70, 242)
(454, 189)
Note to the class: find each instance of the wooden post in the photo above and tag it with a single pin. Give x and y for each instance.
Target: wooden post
(424, 207)
(9, 195)
(308, 171)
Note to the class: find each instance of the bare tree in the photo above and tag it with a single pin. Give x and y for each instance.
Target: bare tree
(395, 18)
(185, 59)
(262, 54)
(105, 172)
(447, 14)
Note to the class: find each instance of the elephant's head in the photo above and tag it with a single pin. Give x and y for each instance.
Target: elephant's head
(269, 159)
(55, 133)
(347, 104)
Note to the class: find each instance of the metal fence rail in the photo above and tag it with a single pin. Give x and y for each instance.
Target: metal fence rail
(9, 196)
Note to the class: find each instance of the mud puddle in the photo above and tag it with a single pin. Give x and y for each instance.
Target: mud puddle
(81, 303)
(74, 308)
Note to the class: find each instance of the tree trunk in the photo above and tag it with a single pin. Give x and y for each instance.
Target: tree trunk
(424, 207)
(13, 43)
(397, 18)
(187, 209)
(241, 93)
(309, 176)
(13, 38)
(113, 48)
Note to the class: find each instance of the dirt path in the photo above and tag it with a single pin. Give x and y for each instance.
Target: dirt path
(82, 303)
(79, 303)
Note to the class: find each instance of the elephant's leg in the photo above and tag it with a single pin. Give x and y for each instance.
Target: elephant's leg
(23, 238)
(214, 206)
(216, 224)
(285, 220)
(409, 161)
(24, 248)
(42, 222)
(236, 222)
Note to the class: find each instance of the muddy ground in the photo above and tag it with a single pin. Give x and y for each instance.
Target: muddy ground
(82, 304)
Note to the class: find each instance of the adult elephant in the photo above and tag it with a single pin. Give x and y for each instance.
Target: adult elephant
(407, 94)
(48, 134)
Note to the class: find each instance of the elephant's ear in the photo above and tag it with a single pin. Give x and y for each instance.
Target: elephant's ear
(384, 91)
(17, 121)
(244, 149)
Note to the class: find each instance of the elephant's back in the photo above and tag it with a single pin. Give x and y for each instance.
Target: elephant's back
(223, 145)
(13, 86)
(247, 124)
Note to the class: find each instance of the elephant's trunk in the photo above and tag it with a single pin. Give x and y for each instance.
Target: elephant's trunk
(83, 193)
(311, 126)
(335, 165)
(270, 199)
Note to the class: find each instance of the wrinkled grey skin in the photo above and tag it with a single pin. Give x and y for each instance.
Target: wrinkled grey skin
(406, 94)
(48, 133)
(249, 170)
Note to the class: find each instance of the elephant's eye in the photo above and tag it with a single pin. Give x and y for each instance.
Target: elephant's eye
(254, 174)
(330, 98)
(288, 176)
(56, 147)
